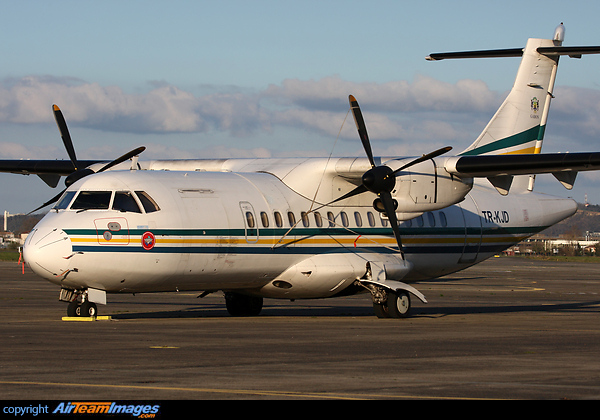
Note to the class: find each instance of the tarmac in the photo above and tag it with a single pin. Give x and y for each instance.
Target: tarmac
(508, 328)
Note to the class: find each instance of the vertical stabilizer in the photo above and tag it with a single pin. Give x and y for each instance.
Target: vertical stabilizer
(518, 125)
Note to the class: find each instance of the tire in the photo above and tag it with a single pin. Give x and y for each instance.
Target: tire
(73, 309)
(242, 305)
(398, 304)
(88, 309)
(381, 310)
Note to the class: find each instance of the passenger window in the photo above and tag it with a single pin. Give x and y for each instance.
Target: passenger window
(278, 219)
(419, 220)
(92, 200)
(291, 219)
(124, 201)
(305, 221)
(358, 219)
(331, 219)
(371, 219)
(65, 200)
(384, 222)
(147, 202)
(264, 219)
(443, 219)
(431, 219)
(344, 217)
(250, 219)
(318, 219)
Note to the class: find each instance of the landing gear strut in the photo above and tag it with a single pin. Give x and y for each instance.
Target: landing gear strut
(242, 305)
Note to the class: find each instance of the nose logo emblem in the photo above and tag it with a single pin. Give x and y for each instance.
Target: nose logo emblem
(148, 241)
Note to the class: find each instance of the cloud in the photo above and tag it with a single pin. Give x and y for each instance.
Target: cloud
(401, 115)
(574, 117)
(165, 109)
(424, 94)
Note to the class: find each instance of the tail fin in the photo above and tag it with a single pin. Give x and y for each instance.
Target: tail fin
(518, 125)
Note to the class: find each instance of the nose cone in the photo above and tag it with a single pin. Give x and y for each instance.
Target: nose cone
(47, 252)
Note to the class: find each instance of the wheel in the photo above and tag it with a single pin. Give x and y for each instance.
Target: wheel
(398, 304)
(242, 305)
(381, 310)
(73, 309)
(88, 308)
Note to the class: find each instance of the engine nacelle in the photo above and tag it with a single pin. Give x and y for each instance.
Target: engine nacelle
(427, 187)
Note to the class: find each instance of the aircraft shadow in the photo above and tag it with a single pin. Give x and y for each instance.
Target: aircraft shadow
(421, 311)
(436, 312)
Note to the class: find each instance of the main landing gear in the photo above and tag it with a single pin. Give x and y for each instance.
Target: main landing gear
(388, 304)
(243, 305)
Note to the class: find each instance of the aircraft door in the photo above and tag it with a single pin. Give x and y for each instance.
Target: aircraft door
(250, 222)
(473, 230)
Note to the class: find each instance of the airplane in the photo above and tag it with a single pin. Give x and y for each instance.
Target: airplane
(305, 228)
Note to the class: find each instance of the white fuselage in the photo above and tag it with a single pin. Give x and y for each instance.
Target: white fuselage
(253, 233)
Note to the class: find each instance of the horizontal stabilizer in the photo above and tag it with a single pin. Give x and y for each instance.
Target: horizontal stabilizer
(574, 52)
(510, 52)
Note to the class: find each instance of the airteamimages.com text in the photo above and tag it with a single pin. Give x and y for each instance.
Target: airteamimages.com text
(67, 408)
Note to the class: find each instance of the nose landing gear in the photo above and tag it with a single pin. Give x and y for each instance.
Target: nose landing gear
(79, 303)
(87, 308)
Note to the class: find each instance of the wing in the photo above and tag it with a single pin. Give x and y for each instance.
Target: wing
(43, 167)
(500, 169)
(49, 171)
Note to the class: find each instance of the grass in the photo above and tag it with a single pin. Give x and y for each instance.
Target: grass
(9, 255)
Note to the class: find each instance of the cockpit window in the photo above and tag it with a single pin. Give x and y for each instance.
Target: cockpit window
(124, 201)
(96, 200)
(147, 202)
(65, 200)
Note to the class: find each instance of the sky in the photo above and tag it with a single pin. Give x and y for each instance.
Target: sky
(199, 79)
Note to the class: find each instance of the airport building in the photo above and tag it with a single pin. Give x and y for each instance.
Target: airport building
(538, 245)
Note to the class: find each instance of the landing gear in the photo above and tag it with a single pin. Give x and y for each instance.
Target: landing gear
(242, 305)
(86, 309)
(388, 304)
(398, 304)
(79, 304)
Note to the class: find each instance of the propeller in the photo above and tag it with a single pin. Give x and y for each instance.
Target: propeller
(381, 180)
(64, 134)
(79, 173)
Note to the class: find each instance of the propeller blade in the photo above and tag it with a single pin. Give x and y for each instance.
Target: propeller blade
(358, 190)
(362, 128)
(51, 201)
(388, 204)
(123, 158)
(64, 134)
(423, 158)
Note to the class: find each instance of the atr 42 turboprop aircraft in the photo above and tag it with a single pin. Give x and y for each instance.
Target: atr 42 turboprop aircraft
(305, 228)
